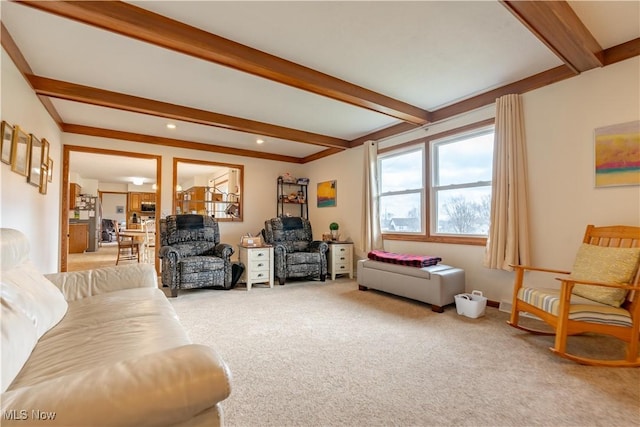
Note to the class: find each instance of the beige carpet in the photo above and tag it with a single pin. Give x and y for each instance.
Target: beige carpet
(326, 354)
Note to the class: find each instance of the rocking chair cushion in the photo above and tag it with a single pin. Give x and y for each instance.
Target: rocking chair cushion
(606, 265)
(581, 309)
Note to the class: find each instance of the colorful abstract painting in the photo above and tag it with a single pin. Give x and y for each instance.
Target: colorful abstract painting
(617, 155)
(327, 194)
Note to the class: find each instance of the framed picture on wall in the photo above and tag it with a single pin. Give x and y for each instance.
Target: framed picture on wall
(20, 152)
(45, 153)
(7, 140)
(617, 155)
(35, 161)
(327, 194)
(50, 170)
(44, 179)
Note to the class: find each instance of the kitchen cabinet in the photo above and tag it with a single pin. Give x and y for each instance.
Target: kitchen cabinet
(135, 202)
(78, 237)
(74, 192)
(203, 201)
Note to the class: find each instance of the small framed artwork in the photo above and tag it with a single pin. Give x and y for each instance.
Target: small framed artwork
(43, 178)
(50, 170)
(617, 155)
(20, 152)
(35, 161)
(327, 194)
(45, 152)
(7, 140)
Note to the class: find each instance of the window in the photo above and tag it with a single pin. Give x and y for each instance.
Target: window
(440, 195)
(402, 191)
(462, 168)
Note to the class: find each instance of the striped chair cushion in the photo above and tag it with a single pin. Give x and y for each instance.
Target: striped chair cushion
(582, 309)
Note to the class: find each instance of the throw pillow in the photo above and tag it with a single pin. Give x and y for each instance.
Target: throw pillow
(607, 265)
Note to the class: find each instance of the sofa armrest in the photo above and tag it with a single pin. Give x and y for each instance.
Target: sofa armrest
(159, 389)
(81, 284)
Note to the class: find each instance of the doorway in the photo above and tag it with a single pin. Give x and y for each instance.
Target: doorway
(100, 160)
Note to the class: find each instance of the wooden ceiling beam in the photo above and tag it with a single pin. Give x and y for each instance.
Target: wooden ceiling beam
(132, 21)
(104, 98)
(178, 143)
(559, 28)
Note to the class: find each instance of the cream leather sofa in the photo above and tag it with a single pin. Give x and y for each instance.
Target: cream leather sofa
(99, 348)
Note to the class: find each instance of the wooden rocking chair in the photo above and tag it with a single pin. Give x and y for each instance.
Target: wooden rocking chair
(601, 295)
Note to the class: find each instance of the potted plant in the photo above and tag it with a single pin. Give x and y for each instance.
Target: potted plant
(334, 230)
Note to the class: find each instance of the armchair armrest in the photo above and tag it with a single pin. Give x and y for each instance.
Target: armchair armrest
(159, 389)
(223, 250)
(319, 246)
(81, 284)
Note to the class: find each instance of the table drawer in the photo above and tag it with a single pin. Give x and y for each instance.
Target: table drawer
(259, 275)
(258, 254)
(339, 268)
(260, 264)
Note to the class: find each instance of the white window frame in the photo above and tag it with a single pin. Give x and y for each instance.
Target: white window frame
(420, 151)
(434, 188)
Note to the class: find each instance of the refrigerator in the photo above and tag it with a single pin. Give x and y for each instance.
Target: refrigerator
(88, 210)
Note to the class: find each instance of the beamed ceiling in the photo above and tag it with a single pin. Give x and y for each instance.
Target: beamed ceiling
(308, 78)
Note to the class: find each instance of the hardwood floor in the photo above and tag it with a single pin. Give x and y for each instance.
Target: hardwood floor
(105, 256)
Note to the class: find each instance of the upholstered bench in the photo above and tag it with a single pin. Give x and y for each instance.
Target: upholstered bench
(436, 284)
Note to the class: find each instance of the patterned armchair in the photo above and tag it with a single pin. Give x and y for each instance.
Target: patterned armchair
(296, 254)
(192, 255)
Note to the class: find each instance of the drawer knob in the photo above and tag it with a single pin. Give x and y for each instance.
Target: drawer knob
(260, 265)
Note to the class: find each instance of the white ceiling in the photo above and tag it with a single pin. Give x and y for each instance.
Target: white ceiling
(426, 53)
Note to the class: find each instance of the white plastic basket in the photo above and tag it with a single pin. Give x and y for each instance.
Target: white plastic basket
(471, 305)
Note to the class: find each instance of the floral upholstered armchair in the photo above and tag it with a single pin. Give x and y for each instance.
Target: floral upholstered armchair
(296, 254)
(192, 255)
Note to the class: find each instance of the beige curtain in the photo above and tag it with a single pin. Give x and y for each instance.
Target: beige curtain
(508, 241)
(371, 234)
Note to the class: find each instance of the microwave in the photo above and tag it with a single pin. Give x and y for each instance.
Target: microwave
(148, 207)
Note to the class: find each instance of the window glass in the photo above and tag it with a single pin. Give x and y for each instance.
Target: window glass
(402, 191)
(461, 191)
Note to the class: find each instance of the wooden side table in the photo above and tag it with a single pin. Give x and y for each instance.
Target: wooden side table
(340, 259)
(258, 264)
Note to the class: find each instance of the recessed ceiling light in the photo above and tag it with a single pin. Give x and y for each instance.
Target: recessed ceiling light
(259, 141)
(171, 126)
(137, 181)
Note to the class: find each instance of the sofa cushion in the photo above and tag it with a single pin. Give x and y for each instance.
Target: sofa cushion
(607, 265)
(91, 334)
(31, 305)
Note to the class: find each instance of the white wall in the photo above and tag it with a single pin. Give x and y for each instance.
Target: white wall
(21, 205)
(560, 121)
(110, 203)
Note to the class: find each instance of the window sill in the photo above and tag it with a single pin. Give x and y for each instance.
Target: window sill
(462, 240)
